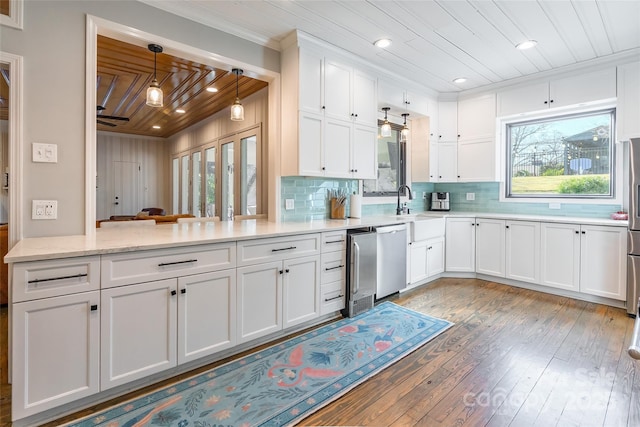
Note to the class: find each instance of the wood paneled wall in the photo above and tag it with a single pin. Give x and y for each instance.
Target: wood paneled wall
(153, 156)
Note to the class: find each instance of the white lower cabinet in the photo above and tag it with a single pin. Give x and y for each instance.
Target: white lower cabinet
(490, 253)
(300, 290)
(206, 314)
(55, 351)
(138, 331)
(522, 249)
(426, 259)
(560, 255)
(333, 269)
(603, 257)
(460, 247)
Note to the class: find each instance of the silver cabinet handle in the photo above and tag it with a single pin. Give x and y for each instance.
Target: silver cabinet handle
(356, 267)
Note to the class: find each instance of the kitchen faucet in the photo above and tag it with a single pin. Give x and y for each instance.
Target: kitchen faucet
(398, 209)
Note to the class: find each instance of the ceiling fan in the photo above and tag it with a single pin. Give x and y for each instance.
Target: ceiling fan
(102, 117)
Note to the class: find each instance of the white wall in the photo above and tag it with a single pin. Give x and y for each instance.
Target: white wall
(52, 44)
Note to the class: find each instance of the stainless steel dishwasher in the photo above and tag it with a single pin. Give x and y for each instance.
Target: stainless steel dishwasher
(392, 259)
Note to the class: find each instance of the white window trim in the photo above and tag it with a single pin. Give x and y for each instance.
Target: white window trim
(617, 177)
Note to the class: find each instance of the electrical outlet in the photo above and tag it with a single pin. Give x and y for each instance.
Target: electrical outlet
(471, 196)
(44, 209)
(288, 204)
(45, 153)
(424, 195)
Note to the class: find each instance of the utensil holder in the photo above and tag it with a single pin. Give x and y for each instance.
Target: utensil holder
(337, 209)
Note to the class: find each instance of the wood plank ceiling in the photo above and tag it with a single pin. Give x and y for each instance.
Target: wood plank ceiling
(436, 41)
(125, 71)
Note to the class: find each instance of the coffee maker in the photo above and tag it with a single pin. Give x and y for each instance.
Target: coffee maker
(439, 201)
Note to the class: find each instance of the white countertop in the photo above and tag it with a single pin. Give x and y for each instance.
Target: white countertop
(115, 240)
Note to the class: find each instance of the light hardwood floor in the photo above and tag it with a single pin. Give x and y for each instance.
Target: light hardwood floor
(514, 357)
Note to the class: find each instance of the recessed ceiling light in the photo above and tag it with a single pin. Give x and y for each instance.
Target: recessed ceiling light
(382, 43)
(527, 44)
(460, 80)
(180, 111)
(156, 127)
(212, 89)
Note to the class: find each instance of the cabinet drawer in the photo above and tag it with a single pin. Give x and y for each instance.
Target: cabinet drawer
(334, 241)
(333, 267)
(273, 249)
(145, 266)
(332, 297)
(44, 279)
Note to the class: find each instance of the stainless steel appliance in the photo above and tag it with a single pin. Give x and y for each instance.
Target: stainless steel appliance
(439, 201)
(392, 259)
(633, 234)
(362, 248)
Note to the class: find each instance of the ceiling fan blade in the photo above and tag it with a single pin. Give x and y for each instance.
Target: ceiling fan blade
(105, 123)
(103, 116)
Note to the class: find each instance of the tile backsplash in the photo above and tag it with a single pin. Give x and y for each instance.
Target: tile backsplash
(311, 200)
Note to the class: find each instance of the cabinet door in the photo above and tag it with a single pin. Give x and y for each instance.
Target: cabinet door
(259, 303)
(337, 148)
(310, 145)
(581, 88)
(560, 256)
(435, 256)
(206, 314)
(523, 99)
(311, 81)
(138, 331)
(433, 161)
(364, 99)
(447, 121)
(628, 109)
(477, 117)
(447, 162)
(337, 90)
(390, 95)
(364, 153)
(418, 261)
(477, 160)
(522, 246)
(490, 235)
(603, 253)
(301, 290)
(460, 247)
(55, 351)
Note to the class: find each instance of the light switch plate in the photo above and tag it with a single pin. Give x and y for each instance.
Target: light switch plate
(288, 204)
(45, 153)
(471, 196)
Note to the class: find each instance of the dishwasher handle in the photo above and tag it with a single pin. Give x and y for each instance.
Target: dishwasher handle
(356, 267)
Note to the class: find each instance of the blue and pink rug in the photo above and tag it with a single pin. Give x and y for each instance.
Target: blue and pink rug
(284, 383)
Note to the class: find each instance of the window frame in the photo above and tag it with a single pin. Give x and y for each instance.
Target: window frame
(403, 158)
(616, 158)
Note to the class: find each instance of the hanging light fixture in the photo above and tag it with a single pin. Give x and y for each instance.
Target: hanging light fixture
(404, 134)
(154, 93)
(385, 129)
(237, 110)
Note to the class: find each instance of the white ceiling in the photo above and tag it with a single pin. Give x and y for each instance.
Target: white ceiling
(437, 41)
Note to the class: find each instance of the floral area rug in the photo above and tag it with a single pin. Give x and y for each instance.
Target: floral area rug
(286, 382)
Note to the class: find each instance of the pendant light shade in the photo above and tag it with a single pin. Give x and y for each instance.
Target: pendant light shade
(385, 129)
(237, 110)
(154, 93)
(404, 134)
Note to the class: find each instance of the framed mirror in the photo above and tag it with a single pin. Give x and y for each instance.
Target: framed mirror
(11, 13)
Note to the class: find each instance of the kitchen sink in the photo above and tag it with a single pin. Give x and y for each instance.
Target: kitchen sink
(425, 227)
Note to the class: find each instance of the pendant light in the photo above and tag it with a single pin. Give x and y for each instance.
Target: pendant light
(385, 129)
(404, 134)
(237, 110)
(154, 93)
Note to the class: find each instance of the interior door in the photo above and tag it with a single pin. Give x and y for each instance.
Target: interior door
(126, 188)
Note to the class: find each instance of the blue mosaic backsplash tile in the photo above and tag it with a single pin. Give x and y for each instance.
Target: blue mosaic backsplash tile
(311, 200)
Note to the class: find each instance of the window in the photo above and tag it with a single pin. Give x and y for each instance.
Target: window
(561, 157)
(208, 190)
(391, 165)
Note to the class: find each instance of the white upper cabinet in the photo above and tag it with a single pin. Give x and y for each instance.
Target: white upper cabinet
(477, 117)
(311, 82)
(558, 92)
(364, 108)
(447, 121)
(402, 100)
(628, 110)
(338, 90)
